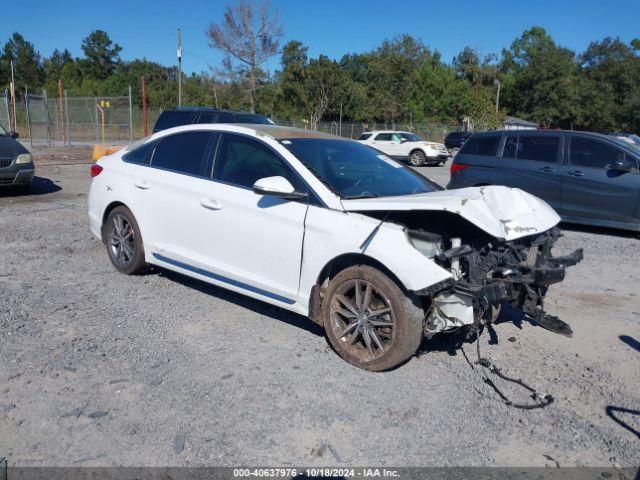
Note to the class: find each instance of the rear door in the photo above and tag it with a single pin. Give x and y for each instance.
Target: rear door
(532, 162)
(173, 188)
(591, 189)
(386, 143)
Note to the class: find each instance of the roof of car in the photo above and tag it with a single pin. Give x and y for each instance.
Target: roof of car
(195, 108)
(281, 133)
(387, 131)
(539, 132)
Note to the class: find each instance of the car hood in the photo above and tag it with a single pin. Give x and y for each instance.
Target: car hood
(503, 212)
(10, 148)
(432, 144)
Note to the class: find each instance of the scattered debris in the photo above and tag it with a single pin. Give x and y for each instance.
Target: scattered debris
(97, 414)
(178, 443)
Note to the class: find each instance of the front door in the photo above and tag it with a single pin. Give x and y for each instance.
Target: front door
(591, 188)
(389, 143)
(252, 240)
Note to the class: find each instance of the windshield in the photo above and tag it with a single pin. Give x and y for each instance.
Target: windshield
(353, 170)
(412, 137)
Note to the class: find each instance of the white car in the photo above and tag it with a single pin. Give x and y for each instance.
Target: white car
(406, 146)
(328, 228)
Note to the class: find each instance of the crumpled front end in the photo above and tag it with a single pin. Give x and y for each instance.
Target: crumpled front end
(487, 275)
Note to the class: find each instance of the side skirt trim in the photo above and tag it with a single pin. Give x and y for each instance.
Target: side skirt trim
(224, 279)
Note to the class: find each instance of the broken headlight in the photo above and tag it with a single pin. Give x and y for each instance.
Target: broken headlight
(427, 243)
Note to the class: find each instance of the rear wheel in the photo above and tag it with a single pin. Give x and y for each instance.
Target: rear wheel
(124, 242)
(417, 158)
(369, 320)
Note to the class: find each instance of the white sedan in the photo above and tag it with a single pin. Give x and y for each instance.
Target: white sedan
(328, 228)
(406, 146)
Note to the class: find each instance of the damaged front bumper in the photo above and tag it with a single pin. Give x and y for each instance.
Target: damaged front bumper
(484, 277)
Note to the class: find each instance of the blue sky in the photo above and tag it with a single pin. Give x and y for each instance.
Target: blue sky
(148, 28)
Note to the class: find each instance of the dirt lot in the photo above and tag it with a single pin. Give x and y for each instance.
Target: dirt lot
(97, 368)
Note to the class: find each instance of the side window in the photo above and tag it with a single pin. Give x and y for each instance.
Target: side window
(242, 161)
(364, 136)
(172, 118)
(140, 155)
(538, 148)
(224, 117)
(510, 147)
(396, 137)
(208, 117)
(183, 152)
(485, 146)
(383, 137)
(586, 152)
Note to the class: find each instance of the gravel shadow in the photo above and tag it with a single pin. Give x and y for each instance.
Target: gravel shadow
(39, 186)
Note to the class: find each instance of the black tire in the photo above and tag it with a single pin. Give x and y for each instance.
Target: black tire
(124, 242)
(396, 334)
(417, 158)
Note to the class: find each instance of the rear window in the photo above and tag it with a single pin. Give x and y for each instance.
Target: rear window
(140, 154)
(365, 136)
(454, 135)
(172, 118)
(485, 145)
(183, 152)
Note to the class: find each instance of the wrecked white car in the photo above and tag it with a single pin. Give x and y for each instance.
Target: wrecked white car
(329, 228)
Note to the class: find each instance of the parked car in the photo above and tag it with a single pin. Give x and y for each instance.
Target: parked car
(325, 227)
(189, 115)
(16, 164)
(587, 178)
(626, 137)
(406, 146)
(454, 140)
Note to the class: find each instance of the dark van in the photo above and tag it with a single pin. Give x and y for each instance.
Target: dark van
(189, 115)
(586, 177)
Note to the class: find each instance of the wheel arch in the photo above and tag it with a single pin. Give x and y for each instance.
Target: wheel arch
(336, 265)
(108, 209)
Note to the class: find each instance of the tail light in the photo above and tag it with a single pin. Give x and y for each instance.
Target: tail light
(95, 170)
(457, 167)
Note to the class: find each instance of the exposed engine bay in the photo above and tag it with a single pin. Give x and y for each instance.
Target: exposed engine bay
(486, 272)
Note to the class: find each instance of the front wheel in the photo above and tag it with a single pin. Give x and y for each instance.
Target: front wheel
(417, 158)
(369, 320)
(124, 242)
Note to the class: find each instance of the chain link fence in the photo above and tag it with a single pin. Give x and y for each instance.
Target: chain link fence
(43, 120)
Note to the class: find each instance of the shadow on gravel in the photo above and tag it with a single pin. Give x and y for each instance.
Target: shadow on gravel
(632, 342)
(257, 306)
(574, 227)
(613, 411)
(39, 186)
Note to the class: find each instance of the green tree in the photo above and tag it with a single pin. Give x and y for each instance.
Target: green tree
(27, 64)
(101, 55)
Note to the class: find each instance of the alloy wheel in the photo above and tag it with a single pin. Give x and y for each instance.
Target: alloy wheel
(121, 240)
(362, 319)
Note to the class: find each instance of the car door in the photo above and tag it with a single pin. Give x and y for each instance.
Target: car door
(171, 195)
(592, 189)
(386, 143)
(254, 241)
(532, 162)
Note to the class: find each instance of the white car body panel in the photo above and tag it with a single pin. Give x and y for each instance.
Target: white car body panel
(274, 249)
(504, 212)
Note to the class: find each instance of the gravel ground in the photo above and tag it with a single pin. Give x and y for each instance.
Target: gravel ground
(98, 368)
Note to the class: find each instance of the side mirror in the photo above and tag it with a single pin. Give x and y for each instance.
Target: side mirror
(14, 134)
(622, 165)
(403, 140)
(277, 187)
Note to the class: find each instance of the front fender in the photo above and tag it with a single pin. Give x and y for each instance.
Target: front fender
(330, 234)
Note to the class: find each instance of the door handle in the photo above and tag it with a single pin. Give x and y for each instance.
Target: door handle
(547, 169)
(576, 173)
(141, 184)
(210, 204)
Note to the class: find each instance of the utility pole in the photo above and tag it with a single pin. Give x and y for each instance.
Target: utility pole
(12, 90)
(497, 83)
(179, 68)
(61, 108)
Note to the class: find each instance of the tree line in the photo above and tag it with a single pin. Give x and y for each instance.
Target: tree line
(401, 80)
